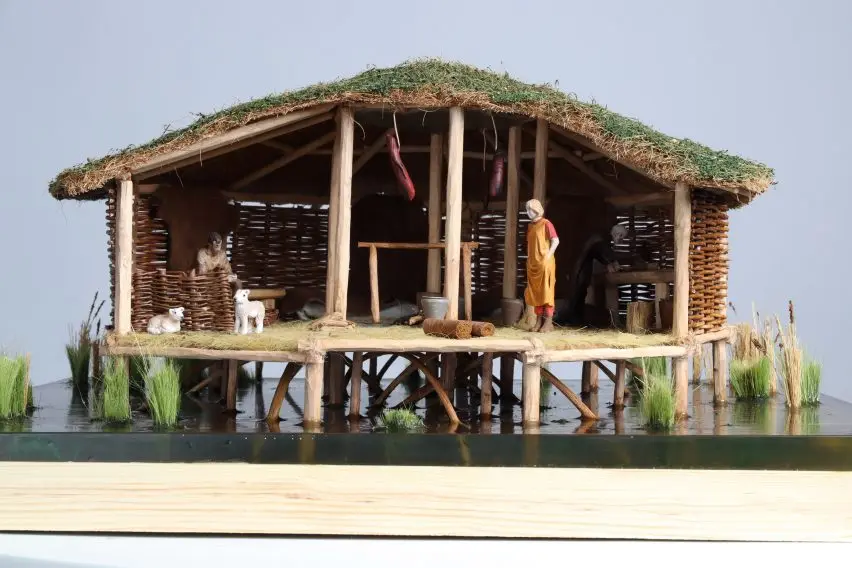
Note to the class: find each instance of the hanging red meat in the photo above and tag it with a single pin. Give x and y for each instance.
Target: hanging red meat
(398, 167)
(498, 167)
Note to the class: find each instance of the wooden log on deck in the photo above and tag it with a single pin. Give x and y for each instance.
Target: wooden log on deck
(313, 392)
(274, 412)
(355, 386)
(720, 372)
(482, 329)
(620, 379)
(453, 216)
(680, 370)
(485, 390)
(448, 328)
(433, 270)
(123, 256)
(682, 230)
(531, 387)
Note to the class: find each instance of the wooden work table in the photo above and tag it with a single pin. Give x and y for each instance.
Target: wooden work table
(466, 248)
(660, 278)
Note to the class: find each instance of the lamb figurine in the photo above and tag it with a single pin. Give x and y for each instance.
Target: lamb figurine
(166, 323)
(245, 310)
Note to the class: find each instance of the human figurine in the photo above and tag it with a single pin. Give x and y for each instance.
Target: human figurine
(213, 256)
(596, 248)
(542, 241)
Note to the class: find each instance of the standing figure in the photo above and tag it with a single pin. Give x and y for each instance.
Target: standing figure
(542, 241)
(213, 256)
(597, 248)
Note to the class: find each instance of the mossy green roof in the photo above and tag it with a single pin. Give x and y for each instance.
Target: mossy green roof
(440, 83)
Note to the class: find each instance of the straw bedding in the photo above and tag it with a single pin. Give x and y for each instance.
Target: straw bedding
(285, 336)
(433, 82)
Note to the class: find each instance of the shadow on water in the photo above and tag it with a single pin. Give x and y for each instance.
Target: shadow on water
(63, 408)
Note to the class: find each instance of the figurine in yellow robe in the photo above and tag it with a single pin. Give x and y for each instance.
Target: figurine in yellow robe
(542, 241)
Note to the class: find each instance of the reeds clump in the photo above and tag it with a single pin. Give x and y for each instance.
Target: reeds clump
(162, 392)
(750, 378)
(115, 389)
(15, 391)
(791, 362)
(649, 365)
(656, 399)
(400, 420)
(79, 347)
(811, 380)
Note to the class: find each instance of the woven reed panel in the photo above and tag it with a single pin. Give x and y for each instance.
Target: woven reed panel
(280, 246)
(651, 237)
(150, 253)
(206, 299)
(110, 231)
(708, 263)
(489, 230)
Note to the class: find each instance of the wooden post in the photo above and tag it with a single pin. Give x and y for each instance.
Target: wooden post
(355, 386)
(720, 372)
(333, 213)
(345, 134)
(123, 256)
(590, 378)
(507, 382)
(680, 369)
(231, 397)
(313, 393)
(452, 230)
(448, 371)
(542, 140)
(485, 389)
(374, 283)
(620, 378)
(468, 294)
(335, 380)
(510, 239)
(436, 155)
(682, 229)
(696, 364)
(258, 370)
(531, 391)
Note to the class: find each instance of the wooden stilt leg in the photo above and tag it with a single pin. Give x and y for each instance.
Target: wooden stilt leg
(586, 384)
(281, 391)
(720, 372)
(231, 398)
(531, 392)
(313, 393)
(355, 386)
(680, 367)
(620, 378)
(485, 391)
(335, 380)
(258, 370)
(507, 379)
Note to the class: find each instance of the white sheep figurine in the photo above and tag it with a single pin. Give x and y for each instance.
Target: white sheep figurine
(244, 309)
(166, 323)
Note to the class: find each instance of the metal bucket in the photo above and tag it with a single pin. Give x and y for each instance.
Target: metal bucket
(512, 309)
(434, 307)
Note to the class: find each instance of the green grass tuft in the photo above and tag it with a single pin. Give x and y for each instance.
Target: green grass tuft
(115, 406)
(432, 80)
(14, 397)
(162, 391)
(751, 378)
(400, 420)
(811, 380)
(657, 401)
(79, 348)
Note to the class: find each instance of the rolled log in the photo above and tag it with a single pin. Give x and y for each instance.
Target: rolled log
(482, 329)
(452, 329)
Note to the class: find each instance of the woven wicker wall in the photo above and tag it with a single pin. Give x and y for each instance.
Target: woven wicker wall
(110, 231)
(708, 263)
(150, 254)
(280, 247)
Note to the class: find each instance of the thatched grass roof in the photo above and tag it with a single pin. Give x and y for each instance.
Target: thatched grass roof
(433, 82)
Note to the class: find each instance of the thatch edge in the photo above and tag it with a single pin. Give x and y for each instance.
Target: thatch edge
(578, 118)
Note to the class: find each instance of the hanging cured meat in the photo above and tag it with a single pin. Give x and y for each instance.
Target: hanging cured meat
(398, 167)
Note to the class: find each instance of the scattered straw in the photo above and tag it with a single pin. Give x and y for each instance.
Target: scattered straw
(433, 82)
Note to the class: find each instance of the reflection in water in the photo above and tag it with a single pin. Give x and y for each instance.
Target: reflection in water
(61, 408)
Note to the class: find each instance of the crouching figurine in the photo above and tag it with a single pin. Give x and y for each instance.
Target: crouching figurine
(245, 309)
(166, 323)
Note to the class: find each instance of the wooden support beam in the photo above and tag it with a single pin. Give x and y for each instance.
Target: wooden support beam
(680, 370)
(355, 386)
(468, 282)
(343, 213)
(620, 379)
(233, 140)
(581, 166)
(231, 397)
(374, 285)
(433, 271)
(639, 199)
(197, 353)
(486, 389)
(542, 135)
(510, 238)
(615, 353)
(507, 380)
(682, 229)
(531, 388)
(369, 152)
(720, 372)
(123, 256)
(586, 413)
(313, 392)
(274, 413)
(454, 206)
(283, 161)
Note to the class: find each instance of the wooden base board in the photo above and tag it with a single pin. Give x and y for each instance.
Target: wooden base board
(229, 498)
